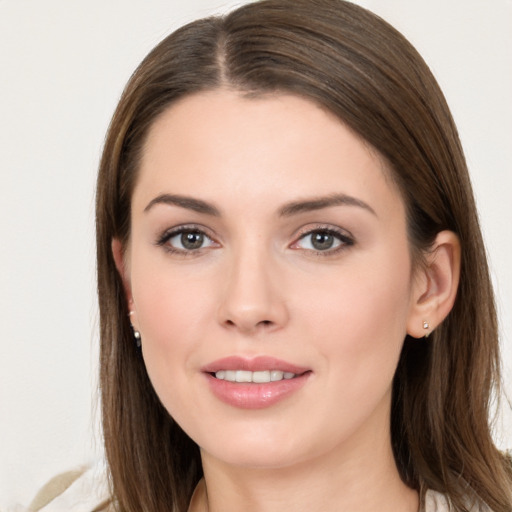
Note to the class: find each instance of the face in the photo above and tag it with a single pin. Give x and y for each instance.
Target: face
(269, 273)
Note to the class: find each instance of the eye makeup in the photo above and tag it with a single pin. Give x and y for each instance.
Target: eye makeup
(193, 240)
(186, 240)
(323, 240)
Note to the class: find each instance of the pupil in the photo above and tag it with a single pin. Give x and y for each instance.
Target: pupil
(192, 240)
(322, 241)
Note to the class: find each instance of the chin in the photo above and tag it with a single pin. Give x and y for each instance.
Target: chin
(264, 449)
(267, 458)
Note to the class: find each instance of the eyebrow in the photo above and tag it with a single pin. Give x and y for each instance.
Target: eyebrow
(318, 203)
(288, 210)
(187, 202)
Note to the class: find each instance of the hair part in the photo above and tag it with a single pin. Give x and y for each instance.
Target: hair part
(362, 70)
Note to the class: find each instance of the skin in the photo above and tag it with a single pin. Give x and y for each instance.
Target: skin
(257, 287)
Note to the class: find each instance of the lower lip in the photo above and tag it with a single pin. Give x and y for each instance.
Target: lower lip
(255, 396)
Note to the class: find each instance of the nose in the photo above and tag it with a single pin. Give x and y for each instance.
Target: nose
(253, 295)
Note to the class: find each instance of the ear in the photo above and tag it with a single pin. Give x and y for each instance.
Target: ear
(118, 252)
(435, 286)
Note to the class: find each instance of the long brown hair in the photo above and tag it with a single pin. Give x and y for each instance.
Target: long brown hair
(361, 69)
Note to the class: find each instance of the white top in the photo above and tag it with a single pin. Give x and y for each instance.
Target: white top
(86, 490)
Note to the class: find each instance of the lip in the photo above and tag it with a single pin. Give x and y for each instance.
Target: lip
(256, 364)
(254, 395)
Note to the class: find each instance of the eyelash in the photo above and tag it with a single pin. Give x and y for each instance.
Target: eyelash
(171, 233)
(345, 240)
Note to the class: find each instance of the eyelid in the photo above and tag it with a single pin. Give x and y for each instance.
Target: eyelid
(169, 233)
(345, 237)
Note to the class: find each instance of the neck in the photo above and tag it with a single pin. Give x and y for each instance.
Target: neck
(342, 480)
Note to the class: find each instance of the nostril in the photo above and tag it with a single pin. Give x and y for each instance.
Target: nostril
(248, 327)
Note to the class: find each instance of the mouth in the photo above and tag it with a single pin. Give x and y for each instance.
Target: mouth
(259, 377)
(259, 369)
(254, 383)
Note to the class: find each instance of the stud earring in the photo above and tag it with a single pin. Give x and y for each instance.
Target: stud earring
(426, 326)
(136, 335)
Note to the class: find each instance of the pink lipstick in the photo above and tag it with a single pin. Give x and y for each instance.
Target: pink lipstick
(254, 383)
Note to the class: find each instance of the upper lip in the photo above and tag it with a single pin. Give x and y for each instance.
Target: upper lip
(256, 364)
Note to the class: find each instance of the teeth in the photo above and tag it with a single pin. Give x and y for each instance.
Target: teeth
(243, 376)
(261, 376)
(276, 375)
(257, 377)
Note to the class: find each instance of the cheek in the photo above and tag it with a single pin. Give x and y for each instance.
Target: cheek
(365, 294)
(172, 302)
(359, 322)
(171, 311)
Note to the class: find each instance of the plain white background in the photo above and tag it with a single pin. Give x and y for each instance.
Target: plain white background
(62, 68)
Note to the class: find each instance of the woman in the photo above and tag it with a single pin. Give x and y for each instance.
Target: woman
(295, 304)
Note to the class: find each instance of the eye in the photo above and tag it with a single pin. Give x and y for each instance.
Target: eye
(186, 240)
(323, 240)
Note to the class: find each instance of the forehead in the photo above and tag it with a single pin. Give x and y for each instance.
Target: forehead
(221, 144)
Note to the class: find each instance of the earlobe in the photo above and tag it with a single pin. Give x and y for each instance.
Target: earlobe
(435, 288)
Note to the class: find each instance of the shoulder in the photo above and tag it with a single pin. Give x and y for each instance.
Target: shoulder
(438, 502)
(84, 489)
(435, 502)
